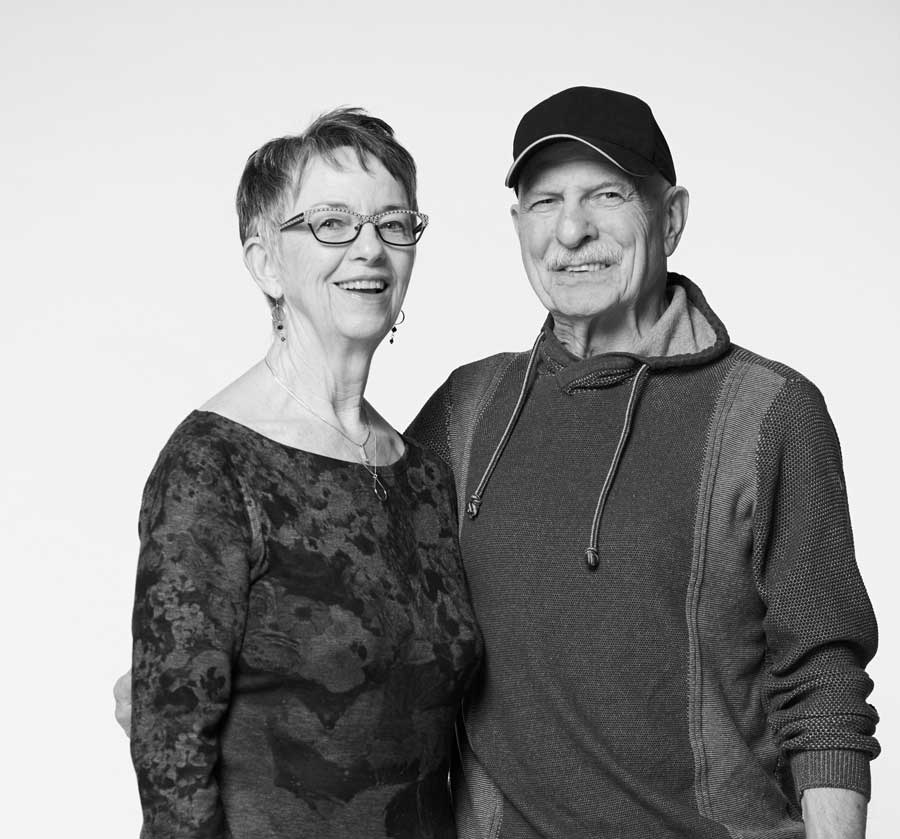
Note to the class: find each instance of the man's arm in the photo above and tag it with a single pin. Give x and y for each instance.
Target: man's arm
(431, 425)
(830, 813)
(819, 625)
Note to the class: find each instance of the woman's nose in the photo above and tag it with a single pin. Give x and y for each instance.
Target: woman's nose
(367, 245)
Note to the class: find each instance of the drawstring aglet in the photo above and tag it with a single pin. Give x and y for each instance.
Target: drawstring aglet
(592, 558)
(472, 506)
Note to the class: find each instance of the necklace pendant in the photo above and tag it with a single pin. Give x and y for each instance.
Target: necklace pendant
(378, 489)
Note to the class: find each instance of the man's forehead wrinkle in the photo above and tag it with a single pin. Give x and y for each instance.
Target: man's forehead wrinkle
(559, 159)
(549, 185)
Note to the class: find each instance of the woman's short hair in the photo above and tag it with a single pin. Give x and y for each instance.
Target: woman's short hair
(273, 173)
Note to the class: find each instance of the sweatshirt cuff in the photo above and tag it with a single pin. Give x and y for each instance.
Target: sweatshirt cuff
(847, 769)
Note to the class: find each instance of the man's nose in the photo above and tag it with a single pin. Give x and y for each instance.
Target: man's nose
(367, 245)
(574, 226)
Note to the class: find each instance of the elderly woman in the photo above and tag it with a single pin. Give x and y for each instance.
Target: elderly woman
(302, 631)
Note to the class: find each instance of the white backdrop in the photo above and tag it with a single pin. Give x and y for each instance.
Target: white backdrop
(126, 126)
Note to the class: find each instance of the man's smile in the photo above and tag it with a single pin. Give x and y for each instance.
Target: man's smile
(585, 267)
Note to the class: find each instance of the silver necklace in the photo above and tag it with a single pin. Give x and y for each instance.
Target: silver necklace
(372, 468)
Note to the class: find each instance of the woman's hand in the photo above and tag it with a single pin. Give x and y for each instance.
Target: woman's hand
(122, 693)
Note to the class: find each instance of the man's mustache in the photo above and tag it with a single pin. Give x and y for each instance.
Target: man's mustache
(559, 258)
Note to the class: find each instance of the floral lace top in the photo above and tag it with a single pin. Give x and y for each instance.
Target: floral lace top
(300, 647)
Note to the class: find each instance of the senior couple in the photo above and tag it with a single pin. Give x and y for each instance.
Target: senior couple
(624, 554)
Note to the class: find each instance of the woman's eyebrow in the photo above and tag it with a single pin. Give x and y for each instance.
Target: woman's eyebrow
(337, 205)
(342, 205)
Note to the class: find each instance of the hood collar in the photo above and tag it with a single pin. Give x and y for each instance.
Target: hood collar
(688, 334)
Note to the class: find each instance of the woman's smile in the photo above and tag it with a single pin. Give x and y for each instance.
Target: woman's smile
(364, 285)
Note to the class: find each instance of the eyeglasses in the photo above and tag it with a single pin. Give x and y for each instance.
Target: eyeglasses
(333, 226)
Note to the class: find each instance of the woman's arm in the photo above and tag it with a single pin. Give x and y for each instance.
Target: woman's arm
(189, 616)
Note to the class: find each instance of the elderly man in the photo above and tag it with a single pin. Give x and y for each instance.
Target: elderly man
(656, 533)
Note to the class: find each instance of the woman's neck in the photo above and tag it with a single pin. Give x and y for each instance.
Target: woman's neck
(329, 382)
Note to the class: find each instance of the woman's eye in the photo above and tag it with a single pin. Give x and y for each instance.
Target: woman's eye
(333, 222)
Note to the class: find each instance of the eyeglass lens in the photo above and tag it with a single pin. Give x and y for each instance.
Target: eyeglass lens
(337, 227)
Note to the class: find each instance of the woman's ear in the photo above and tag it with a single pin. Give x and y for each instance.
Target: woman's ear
(263, 266)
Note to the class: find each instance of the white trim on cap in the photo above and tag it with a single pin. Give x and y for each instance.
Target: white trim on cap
(566, 137)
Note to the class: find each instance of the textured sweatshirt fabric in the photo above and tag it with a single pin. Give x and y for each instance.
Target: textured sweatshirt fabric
(300, 647)
(711, 667)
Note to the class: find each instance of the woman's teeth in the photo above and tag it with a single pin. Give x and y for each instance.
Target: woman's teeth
(363, 285)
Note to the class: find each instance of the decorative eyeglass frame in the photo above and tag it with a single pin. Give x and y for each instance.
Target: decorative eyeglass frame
(303, 217)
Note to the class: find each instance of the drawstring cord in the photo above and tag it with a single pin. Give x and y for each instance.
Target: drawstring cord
(475, 498)
(592, 553)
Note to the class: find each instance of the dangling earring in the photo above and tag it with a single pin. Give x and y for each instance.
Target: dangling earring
(394, 327)
(278, 318)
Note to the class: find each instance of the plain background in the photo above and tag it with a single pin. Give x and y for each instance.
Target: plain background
(125, 301)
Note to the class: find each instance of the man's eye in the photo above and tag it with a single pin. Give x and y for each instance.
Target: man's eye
(608, 198)
(542, 204)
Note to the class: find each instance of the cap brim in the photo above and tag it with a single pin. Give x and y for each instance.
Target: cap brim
(637, 167)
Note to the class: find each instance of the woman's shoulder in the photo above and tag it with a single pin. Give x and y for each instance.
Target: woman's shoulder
(202, 444)
(236, 398)
(222, 424)
(204, 431)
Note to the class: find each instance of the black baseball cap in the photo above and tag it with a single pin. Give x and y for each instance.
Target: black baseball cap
(618, 126)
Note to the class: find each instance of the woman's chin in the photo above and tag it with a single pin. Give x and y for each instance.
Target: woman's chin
(361, 330)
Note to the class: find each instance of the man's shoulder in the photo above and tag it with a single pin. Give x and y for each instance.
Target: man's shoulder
(453, 409)
(793, 401)
(475, 378)
(778, 369)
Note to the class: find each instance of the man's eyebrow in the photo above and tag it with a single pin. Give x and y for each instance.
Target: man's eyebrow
(615, 182)
(533, 190)
(618, 183)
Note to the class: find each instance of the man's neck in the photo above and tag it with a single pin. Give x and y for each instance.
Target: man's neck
(620, 330)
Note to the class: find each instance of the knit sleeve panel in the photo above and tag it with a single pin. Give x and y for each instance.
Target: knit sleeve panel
(190, 609)
(431, 427)
(819, 625)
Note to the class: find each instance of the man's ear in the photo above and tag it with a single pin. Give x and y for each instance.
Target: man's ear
(677, 202)
(263, 267)
(514, 212)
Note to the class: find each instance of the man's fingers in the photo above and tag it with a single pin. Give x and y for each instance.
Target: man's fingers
(122, 688)
(122, 694)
